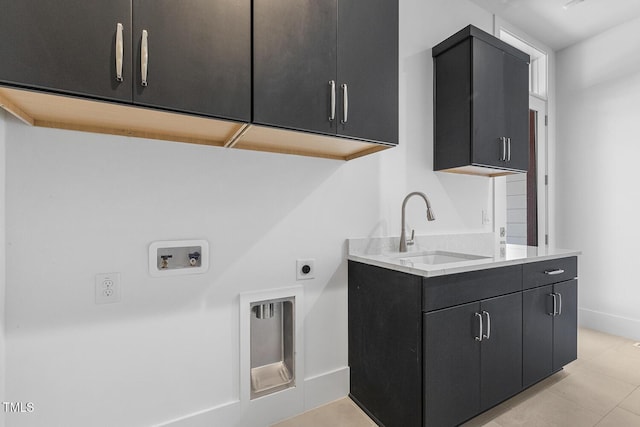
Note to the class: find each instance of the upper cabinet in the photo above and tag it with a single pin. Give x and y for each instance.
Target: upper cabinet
(328, 67)
(481, 105)
(324, 67)
(192, 55)
(197, 56)
(67, 46)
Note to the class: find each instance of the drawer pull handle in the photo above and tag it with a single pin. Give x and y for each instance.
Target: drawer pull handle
(554, 272)
(479, 337)
(488, 334)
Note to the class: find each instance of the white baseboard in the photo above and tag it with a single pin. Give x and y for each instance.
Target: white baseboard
(609, 323)
(318, 390)
(222, 415)
(325, 388)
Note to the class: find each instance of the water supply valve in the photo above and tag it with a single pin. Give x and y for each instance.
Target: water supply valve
(165, 261)
(178, 257)
(193, 258)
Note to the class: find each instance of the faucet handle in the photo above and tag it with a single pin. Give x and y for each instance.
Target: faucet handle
(410, 241)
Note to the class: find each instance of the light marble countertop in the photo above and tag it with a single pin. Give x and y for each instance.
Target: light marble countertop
(383, 252)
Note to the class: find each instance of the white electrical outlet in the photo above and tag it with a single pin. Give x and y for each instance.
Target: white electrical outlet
(107, 288)
(305, 269)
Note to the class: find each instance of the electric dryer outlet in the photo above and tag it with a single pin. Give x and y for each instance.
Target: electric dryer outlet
(305, 269)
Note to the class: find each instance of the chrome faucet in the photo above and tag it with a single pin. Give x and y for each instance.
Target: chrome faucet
(403, 235)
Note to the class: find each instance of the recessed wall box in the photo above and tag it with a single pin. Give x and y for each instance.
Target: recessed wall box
(272, 329)
(178, 257)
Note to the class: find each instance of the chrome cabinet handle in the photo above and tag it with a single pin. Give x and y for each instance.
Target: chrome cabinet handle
(559, 303)
(508, 149)
(119, 51)
(503, 155)
(555, 305)
(488, 334)
(144, 57)
(554, 272)
(479, 337)
(332, 114)
(345, 103)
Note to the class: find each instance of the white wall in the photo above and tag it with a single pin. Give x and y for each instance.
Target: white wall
(598, 197)
(80, 204)
(517, 209)
(2, 263)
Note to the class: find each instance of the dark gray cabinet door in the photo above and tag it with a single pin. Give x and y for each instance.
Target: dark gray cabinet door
(565, 324)
(368, 65)
(501, 354)
(489, 105)
(516, 77)
(537, 330)
(451, 365)
(66, 46)
(500, 108)
(294, 54)
(199, 56)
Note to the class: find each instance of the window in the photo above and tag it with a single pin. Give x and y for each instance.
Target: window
(537, 66)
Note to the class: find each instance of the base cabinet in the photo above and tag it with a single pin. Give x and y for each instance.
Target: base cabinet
(549, 319)
(451, 365)
(470, 369)
(415, 361)
(501, 349)
(565, 333)
(537, 326)
(385, 345)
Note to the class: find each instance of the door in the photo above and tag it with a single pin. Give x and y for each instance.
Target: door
(565, 324)
(537, 332)
(199, 56)
(526, 194)
(66, 46)
(451, 365)
(501, 354)
(294, 54)
(368, 66)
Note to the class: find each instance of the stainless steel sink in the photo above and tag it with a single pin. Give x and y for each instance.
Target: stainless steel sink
(437, 257)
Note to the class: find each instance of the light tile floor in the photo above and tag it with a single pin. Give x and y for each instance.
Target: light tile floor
(601, 388)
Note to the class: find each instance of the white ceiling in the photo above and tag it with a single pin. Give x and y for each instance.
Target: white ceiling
(549, 22)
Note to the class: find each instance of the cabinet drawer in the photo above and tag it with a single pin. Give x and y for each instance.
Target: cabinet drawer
(454, 289)
(547, 272)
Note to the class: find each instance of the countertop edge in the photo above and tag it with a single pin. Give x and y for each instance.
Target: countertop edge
(466, 267)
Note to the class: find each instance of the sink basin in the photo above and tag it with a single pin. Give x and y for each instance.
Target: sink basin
(437, 257)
